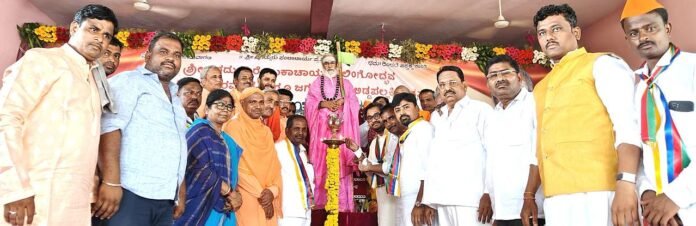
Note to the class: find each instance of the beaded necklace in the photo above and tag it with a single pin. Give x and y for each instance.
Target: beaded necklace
(323, 95)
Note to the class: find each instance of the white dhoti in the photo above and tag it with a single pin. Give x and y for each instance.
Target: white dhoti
(403, 209)
(386, 208)
(296, 221)
(579, 209)
(457, 216)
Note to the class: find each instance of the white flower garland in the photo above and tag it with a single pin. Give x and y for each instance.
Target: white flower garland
(322, 47)
(540, 58)
(395, 50)
(470, 54)
(249, 45)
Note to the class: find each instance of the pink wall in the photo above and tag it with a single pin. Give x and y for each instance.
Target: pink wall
(16, 12)
(606, 34)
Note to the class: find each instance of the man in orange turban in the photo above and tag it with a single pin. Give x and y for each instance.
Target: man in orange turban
(259, 169)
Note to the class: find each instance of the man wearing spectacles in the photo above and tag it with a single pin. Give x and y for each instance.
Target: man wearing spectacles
(381, 148)
(509, 138)
(457, 146)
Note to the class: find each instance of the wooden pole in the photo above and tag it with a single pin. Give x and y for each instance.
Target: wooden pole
(340, 69)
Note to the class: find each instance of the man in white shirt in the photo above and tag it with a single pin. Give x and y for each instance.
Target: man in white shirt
(510, 135)
(381, 148)
(297, 174)
(407, 170)
(457, 147)
(667, 79)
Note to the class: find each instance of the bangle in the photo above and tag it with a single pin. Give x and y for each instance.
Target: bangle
(111, 184)
(228, 192)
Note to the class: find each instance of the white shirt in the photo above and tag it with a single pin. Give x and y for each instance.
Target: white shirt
(414, 152)
(456, 165)
(294, 193)
(510, 136)
(391, 141)
(679, 84)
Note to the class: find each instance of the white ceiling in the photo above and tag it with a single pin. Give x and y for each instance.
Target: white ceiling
(422, 20)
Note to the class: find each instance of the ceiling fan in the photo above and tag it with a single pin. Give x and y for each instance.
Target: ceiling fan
(145, 6)
(500, 23)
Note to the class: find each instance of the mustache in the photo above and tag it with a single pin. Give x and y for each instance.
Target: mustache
(502, 82)
(168, 63)
(551, 42)
(109, 64)
(96, 44)
(450, 92)
(193, 101)
(645, 43)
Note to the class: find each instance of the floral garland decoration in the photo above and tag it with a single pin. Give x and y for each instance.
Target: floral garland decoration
(395, 50)
(331, 186)
(201, 42)
(469, 53)
(409, 51)
(352, 47)
(307, 45)
(275, 44)
(249, 45)
(234, 42)
(46, 33)
(122, 37)
(422, 51)
(322, 47)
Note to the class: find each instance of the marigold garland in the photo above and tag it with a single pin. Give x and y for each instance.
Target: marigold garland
(422, 51)
(499, 51)
(332, 186)
(275, 44)
(201, 42)
(122, 37)
(352, 47)
(409, 51)
(46, 33)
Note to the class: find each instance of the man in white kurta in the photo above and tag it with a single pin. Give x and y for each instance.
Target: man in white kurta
(457, 147)
(50, 108)
(410, 162)
(381, 149)
(665, 186)
(510, 135)
(297, 174)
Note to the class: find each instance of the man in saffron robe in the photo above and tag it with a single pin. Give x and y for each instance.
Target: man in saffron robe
(259, 169)
(325, 97)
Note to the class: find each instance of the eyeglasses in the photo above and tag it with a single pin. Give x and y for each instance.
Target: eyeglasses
(222, 106)
(451, 83)
(503, 73)
(374, 117)
(328, 62)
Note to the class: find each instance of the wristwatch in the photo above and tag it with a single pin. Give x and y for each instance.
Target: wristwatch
(628, 177)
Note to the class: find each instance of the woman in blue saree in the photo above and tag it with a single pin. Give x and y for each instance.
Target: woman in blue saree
(211, 170)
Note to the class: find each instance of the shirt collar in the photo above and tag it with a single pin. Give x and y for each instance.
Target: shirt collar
(522, 95)
(664, 61)
(152, 75)
(77, 57)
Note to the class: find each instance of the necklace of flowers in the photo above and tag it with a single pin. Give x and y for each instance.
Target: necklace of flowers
(323, 95)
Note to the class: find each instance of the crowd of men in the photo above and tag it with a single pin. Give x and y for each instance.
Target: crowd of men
(593, 143)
